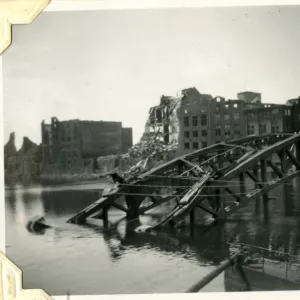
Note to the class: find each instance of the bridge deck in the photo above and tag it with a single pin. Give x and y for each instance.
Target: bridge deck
(95, 207)
(186, 204)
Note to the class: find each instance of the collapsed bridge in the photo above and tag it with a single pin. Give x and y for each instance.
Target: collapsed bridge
(197, 180)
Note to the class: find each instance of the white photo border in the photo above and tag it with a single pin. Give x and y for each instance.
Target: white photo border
(78, 5)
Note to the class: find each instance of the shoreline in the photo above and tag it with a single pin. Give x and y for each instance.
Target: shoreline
(101, 185)
(57, 181)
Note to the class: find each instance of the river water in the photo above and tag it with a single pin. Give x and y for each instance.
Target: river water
(93, 260)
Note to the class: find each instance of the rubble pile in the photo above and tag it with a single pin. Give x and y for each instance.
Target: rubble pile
(148, 152)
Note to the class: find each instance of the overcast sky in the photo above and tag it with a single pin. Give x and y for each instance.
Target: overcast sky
(115, 65)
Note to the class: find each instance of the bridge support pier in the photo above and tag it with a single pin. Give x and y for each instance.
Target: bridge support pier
(105, 216)
(287, 200)
(242, 184)
(133, 204)
(258, 199)
(105, 213)
(219, 201)
(220, 159)
(263, 170)
(192, 217)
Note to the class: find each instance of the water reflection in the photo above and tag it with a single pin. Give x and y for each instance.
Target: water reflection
(10, 201)
(60, 203)
(110, 251)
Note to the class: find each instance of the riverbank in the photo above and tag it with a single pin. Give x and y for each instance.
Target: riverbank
(61, 179)
(57, 180)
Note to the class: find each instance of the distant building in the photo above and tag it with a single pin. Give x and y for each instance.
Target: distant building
(274, 118)
(74, 145)
(295, 101)
(295, 107)
(269, 118)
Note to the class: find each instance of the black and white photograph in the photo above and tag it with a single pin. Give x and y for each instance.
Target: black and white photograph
(154, 151)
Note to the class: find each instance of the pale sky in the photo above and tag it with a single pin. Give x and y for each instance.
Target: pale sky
(115, 65)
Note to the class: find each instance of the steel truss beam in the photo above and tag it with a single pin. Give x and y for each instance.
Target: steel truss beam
(190, 178)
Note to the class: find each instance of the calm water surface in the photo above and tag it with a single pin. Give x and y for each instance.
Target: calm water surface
(93, 260)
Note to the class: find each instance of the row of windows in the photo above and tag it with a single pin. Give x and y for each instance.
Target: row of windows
(218, 131)
(262, 129)
(195, 145)
(203, 120)
(195, 133)
(252, 114)
(235, 116)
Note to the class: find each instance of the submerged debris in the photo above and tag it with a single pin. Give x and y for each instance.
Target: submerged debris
(143, 228)
(37, 224)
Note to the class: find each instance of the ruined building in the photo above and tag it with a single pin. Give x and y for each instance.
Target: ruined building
(194, 120)
(74, 145)
(9, 150)
(273, 118)
(268, 118)
(23, 164)
(163, 121)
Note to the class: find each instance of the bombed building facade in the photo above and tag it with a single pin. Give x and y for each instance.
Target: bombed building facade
(22, 164)
(178, 125)
(194, 120)
(269, 118)
(74, 145)
(273, 118)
